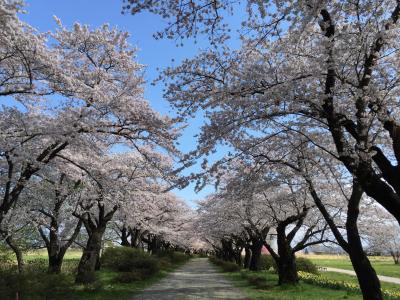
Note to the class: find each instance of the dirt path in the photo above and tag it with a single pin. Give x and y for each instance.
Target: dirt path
(381, 277)
(197, 279)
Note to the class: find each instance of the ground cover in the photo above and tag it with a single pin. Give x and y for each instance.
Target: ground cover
(326, 285)
(268, 288)
(35, 283)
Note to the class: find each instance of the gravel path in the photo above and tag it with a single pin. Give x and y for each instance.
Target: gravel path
(381, 277)
(197, 279)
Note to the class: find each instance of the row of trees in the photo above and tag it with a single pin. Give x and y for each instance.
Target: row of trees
(312, 90)
(81, 152)
(307, 106)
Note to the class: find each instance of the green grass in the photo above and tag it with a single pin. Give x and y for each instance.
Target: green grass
(42, 254)
(302, 291)
(111, 290)
(382, 265)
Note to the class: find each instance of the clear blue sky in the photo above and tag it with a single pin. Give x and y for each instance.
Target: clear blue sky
(153, 53)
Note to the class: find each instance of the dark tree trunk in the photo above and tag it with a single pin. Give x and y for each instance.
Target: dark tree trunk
(256, 248)
(17, 251)
(238, 256)
(55, 262)
(155, 244)
(396, 256)
(367, 278)
(124, 237)
(366, 275)
(89, 260)
(247, 256)
(287, 270)
(55, 250)
(228, 254)
(136, 235)
(98, 262)
(91, 254)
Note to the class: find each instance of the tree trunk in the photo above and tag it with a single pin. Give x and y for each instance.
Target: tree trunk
(396, 256)
(55, 262)
(366, 275)
(238, 256)
(136, 235)
(17, 251)
(124, 237)
(287, 269)
(255, 254)
(228, 254)
(90, 256)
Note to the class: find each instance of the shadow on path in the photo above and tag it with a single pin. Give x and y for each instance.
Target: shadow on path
(197, 279)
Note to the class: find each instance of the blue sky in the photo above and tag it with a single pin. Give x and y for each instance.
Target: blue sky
(153, 53)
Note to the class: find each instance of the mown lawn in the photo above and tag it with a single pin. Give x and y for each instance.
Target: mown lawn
(272, 291)
(383, 265)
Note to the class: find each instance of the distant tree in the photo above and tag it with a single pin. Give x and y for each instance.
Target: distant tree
(382, 233)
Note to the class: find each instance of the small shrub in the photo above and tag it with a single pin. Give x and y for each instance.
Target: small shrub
(124, 259)
(225, 265)
(164, 264)
(306, 265)
(147, 264)
(267, 262)
(230, 267)
(174, 257)
(35, 285)
(216, 261)
(128, 277)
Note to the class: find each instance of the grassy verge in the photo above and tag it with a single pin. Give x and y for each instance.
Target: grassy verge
(382, 265)
(268, 289)
(328, 285)
(107, 288)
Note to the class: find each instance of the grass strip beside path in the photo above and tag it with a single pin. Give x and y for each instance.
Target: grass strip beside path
(271, 291)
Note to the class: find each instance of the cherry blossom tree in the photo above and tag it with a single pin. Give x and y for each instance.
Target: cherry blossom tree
(337, 195)
(16, 222)
(382, 233)
(327, 66)
(159, 219)
(27, 64)
(332, 64)
(92, 101)
(218, 226)
(285, 206)
(112, 182)
(51, 201)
